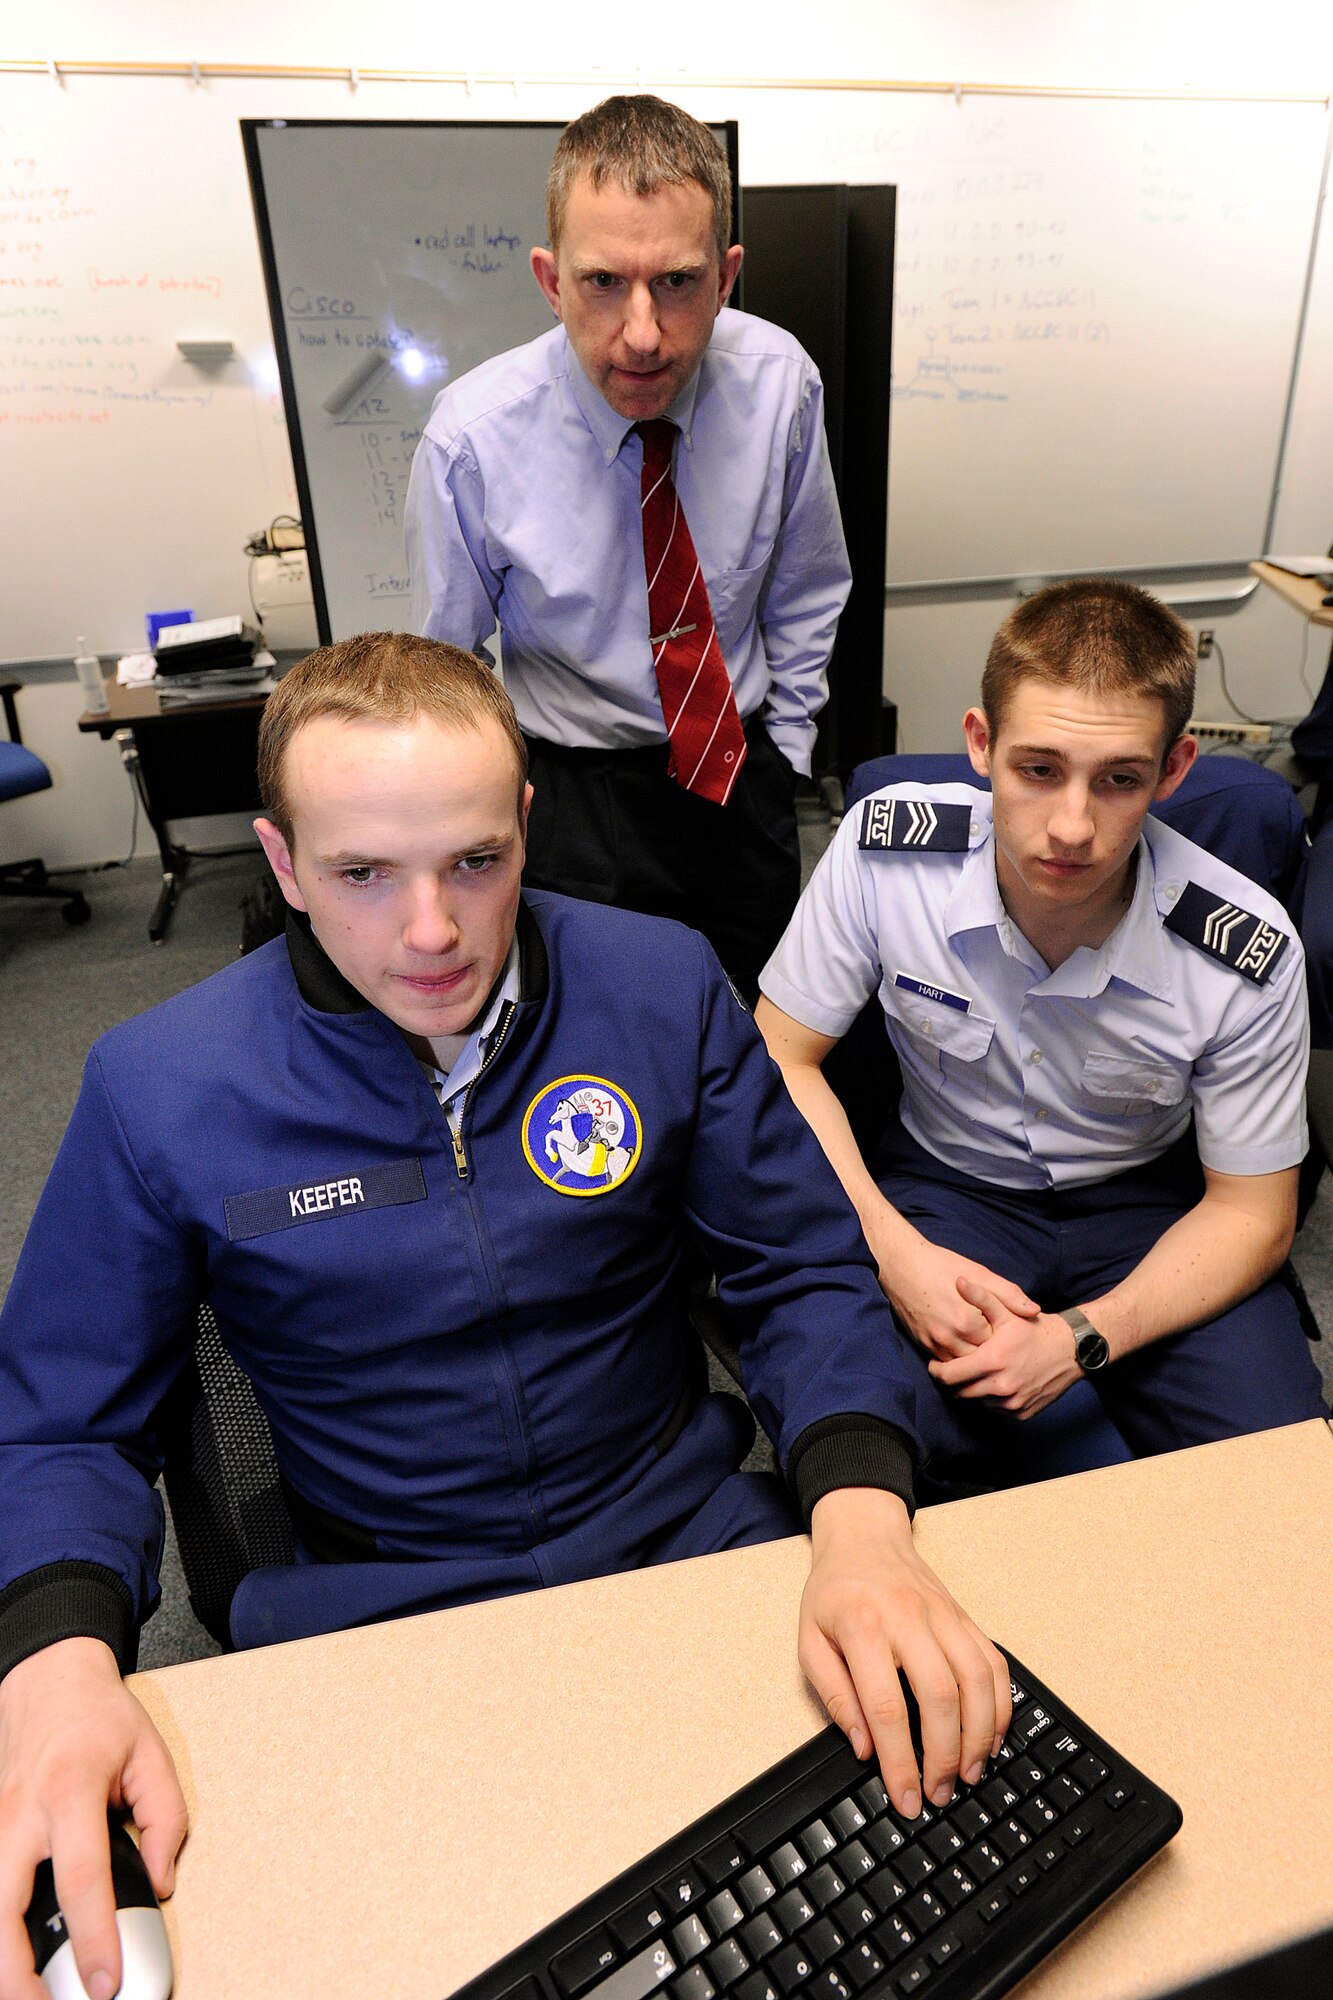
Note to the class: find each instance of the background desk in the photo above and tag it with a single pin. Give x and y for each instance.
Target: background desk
(195, 759)
(1312, 738)
(386, 1811)
(1304, 593)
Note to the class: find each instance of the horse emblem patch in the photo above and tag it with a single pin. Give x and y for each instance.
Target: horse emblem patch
(582, 1136)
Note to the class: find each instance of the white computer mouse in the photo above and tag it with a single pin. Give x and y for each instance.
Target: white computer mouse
(145, 1954)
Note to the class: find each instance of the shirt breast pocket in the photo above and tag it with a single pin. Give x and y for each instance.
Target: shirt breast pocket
(733, 598)
(944, 1041)
(1133, 1086)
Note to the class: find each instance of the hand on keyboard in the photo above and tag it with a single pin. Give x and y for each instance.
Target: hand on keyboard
(872, 1606)
(807, 1885)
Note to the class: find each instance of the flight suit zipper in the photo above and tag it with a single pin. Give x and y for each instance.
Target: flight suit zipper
(508, 1385)
(456, 1131)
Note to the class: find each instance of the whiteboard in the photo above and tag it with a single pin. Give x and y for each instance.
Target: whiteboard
(1096, 309)
(132, 477)
(396, 257)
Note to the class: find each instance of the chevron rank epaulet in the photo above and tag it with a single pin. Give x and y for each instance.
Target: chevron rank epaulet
(1221, 928)
(915, 826)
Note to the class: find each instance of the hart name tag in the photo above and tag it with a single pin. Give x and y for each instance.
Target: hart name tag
(268, 1209)
(941, 994)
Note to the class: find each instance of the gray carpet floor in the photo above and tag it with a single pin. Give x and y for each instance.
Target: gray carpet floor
(61, 987)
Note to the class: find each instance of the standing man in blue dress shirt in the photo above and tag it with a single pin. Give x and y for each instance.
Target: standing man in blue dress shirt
(1102, 1032)
(525, 506)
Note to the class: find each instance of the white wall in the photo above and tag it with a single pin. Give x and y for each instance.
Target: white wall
(933, 652)
(1146, 43)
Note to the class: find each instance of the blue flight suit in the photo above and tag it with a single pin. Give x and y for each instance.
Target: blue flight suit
(473, 1351)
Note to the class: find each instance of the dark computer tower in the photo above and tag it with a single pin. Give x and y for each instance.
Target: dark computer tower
(819, 262)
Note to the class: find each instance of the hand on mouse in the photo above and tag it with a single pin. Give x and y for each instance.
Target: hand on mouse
(72, 1739)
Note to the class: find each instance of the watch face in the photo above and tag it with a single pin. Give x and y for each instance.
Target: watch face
(1091, 1351)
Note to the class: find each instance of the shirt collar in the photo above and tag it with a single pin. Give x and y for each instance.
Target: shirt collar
(505, 991)
(975, 903)
(1135, 952)
(608, 427)
(477, 1039)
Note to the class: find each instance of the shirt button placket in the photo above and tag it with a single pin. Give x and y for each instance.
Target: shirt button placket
(1033, 1061)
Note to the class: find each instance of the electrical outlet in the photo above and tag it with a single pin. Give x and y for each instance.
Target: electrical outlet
(1206, 642)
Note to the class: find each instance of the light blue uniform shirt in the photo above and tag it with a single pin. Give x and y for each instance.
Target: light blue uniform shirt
(1025, 1077)
(524, 506)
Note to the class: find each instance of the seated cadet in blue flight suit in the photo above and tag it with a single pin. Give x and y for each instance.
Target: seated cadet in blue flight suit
(1102, 1036)
(431, 1158)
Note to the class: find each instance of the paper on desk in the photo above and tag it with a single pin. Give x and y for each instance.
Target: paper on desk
(140, 669)
(1302, 565)
(219, 683)
(169, 691)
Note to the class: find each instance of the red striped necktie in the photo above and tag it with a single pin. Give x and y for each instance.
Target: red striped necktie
(703, 723)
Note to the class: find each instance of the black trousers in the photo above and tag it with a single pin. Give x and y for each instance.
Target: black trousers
(609, 825)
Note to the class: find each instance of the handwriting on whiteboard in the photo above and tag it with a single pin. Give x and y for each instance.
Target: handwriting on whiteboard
(84, 340)
(481, 247)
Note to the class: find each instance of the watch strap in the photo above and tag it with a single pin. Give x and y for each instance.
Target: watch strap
(1091, 1349)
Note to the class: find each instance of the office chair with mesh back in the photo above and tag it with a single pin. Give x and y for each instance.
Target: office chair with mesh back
(221, 1477)
(21, 773)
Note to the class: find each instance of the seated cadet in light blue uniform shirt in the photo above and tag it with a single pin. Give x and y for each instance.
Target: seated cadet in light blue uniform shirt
(1103, 1036)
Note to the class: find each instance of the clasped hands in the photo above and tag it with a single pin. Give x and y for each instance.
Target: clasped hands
(987, 1340)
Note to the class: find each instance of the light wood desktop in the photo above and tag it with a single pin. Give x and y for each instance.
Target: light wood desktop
(1304, 593)
(386, 1811)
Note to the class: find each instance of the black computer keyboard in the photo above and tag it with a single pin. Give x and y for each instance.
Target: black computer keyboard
(806, 1885)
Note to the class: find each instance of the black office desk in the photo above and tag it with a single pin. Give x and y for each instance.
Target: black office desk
(194, 758)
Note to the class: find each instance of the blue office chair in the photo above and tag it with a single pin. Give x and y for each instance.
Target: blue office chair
(20, 773)
(1248, 817)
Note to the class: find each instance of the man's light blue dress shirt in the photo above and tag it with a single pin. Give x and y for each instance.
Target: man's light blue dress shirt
(523, 507)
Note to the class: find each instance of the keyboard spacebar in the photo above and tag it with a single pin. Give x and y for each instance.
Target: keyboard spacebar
(636, 1978)
(788, 1812)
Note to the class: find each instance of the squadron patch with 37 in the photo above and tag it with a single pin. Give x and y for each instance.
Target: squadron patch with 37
(582, 1135)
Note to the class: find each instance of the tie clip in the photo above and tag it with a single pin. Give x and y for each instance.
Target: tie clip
(676, 632)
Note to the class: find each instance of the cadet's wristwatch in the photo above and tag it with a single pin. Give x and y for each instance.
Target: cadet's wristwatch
(1090, 1349)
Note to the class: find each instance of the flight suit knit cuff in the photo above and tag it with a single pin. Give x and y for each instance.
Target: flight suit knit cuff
(849, 1451)
(67, 1600)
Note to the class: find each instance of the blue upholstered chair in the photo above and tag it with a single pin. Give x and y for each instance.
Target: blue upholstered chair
(1244, 814)
(20, 773)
